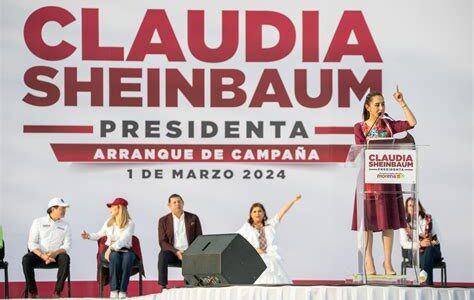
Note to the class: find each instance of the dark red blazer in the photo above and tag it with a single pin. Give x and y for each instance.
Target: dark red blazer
(166, 230)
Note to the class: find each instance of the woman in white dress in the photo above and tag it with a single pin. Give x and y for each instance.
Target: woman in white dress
(261, 234)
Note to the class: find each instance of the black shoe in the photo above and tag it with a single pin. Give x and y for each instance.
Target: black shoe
(57, 294)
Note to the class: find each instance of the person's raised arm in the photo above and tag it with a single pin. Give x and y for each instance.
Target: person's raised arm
(409, 116)
(287, 206)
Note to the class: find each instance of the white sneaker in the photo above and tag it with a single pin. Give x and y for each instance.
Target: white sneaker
(114, 294)
(423, 276)
(122, 295)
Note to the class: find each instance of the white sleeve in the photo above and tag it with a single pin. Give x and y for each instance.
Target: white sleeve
(405, 241)
(125, 238)
(242, 231)
(273, 221)
(33, 237)
(102, 232)
(246, 232)
(67, 240)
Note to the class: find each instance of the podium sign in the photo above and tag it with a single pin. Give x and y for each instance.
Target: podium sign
(390, 166)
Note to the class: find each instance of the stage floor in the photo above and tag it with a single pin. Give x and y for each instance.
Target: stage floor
(321, 291)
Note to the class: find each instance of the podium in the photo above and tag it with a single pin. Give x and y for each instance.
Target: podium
(388, 171)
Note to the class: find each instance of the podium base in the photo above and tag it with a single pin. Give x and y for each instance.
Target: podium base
(380, 279)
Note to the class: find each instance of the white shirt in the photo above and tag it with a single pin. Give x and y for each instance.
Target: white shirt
(250, 233)
(405, 241)
(48, 235)
(117, 237)
(179, 228)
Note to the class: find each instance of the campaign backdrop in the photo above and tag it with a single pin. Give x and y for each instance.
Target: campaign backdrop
(229, 103)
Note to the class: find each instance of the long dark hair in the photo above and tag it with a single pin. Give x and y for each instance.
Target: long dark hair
(264, 213)
(421, 209)
(368, 99)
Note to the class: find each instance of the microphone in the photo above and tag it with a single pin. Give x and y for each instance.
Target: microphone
(388, 116)
(373, 124)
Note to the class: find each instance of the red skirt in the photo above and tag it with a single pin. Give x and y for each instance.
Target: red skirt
(383, 208)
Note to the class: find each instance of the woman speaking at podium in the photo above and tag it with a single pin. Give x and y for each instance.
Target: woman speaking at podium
(383, 204)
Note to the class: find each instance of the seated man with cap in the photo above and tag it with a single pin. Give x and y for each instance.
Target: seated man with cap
(49, 241)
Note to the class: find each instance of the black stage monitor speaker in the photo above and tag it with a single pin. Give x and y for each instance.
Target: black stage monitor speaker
(221, 259)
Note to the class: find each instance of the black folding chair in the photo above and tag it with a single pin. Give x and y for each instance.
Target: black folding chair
(136, 268)
(408, 263)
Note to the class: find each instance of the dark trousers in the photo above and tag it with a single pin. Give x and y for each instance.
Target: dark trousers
(31, 260)
(164, 259)
(428, 259)
(120, 268)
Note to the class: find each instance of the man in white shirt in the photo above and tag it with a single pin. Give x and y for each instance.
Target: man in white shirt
(49, 242)
(176, 231)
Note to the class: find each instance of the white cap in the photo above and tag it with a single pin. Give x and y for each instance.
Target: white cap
(57, 202)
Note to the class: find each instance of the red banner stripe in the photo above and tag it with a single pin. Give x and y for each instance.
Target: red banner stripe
(333, 130)
(291, 154)
(58, 129)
